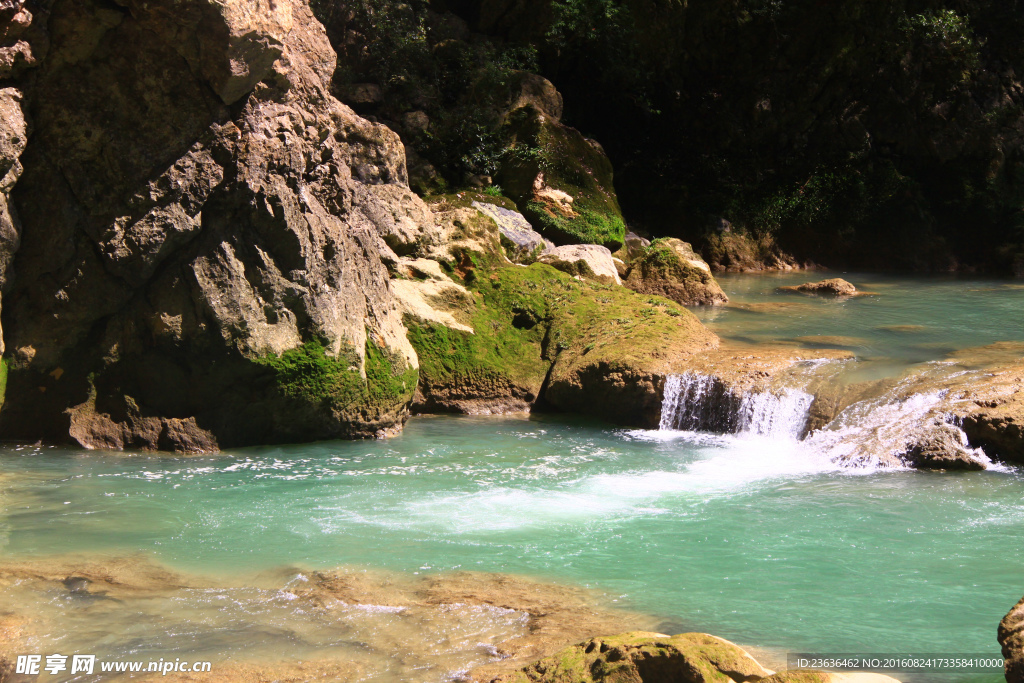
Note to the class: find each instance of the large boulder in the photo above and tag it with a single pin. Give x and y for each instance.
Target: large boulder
(641, 657)
(538, 92)
(998, 426)
(590, 261)
(200, 260)
(671, 268)
(736, 251)
(561, 181)
(1011, 638)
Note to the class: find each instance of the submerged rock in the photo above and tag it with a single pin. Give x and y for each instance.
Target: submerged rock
(671, 268)
(832, 287)
(642, 657)
(588, 261)
(1011, 638)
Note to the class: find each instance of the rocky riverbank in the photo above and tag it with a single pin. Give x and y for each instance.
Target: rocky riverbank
(535, 631)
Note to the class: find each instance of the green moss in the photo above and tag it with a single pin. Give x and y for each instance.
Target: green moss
(797, 676)
(306, 373)
(570, 163)
(465, 199)
(3, 381)
(527, 319)
(661, 261)
(630, 656)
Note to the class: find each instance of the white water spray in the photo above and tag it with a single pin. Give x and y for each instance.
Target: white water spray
(699, 402)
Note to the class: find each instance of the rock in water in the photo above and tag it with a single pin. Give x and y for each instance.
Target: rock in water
(1011, 637)
(943, 448)
(998, 426)
(641, 657)
(671, 268)
(201, 235)
(832, 287)
(589, 261)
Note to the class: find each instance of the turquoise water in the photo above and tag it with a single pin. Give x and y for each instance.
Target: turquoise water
(755, 541)
(900, 320)
(764, 542)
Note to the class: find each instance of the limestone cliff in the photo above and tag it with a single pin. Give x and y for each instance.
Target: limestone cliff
(197, 261)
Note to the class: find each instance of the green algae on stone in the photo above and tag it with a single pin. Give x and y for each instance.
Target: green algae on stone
(799, 676)
(561, 182)
(536, 324)
(308, 375)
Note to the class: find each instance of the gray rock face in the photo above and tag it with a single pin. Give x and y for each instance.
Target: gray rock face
(523, 241)
(204, 205)
(636, 245)
(1011, 637)
(590, 261)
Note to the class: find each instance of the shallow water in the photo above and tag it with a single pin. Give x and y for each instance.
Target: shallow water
(759, 539)
(899, 321)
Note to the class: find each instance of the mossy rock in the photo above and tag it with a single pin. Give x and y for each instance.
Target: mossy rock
(333, 389)
(540, 334)
(671, 268)
(641, 657)
(561, 181)
(3, 381)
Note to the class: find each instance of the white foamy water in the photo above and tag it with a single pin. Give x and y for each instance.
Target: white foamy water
(693, 401)
(867, 434)
(783, 415)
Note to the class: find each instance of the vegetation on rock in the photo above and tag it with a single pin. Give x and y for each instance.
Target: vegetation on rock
(671, 268)
(536, 324)
(645, 658)
(562, 182)
(308, 375)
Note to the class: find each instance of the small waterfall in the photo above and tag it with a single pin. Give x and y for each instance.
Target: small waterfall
(696, 402)
(699, 403)
(781, 415)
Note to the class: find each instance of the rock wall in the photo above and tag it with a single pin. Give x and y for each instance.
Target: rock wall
(197, 263)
